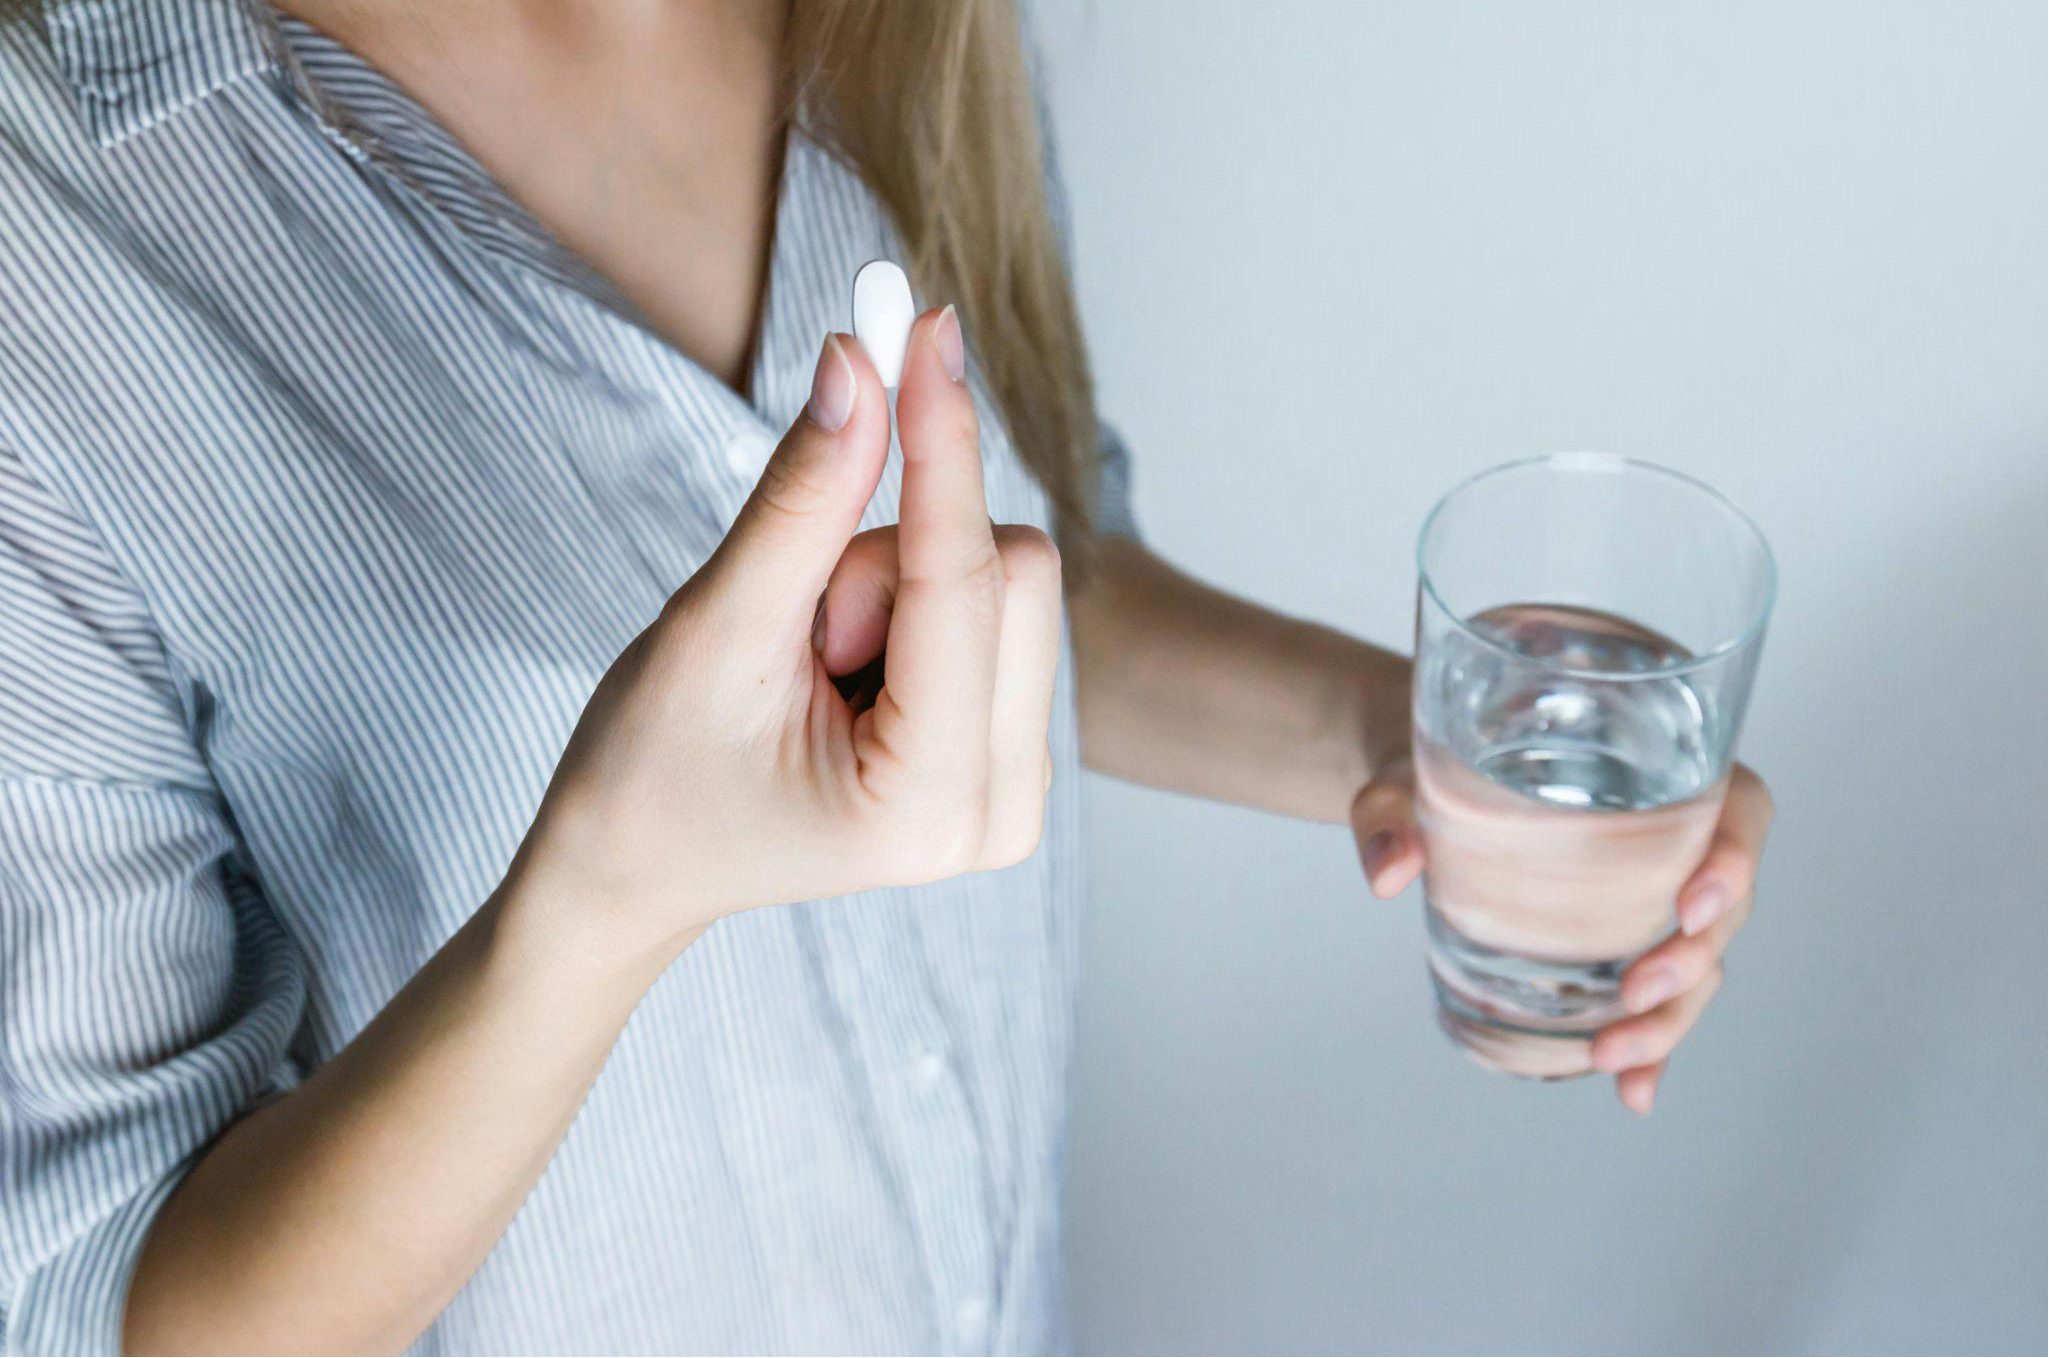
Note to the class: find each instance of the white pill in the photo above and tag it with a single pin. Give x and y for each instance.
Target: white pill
(883, 312)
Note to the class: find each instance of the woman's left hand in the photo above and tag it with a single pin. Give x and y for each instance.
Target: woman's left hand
(1666, 989)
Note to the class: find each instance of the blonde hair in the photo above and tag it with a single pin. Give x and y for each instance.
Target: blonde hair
(932, 104)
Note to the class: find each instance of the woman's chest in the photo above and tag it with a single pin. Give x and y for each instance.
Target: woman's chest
(394, 564)
(397, 489)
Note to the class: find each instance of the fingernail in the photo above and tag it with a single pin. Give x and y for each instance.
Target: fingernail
(832, 388)
(1661, 985)
(953, 353)
(1639, 1098)
(1705, 907)
(818, 627)
(1380, 846)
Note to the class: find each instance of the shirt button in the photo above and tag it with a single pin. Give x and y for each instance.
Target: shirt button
(747, 452)
(971, 1321)
(926, 1066)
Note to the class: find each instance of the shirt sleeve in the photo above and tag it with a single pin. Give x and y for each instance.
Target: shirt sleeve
(1113, 485)
(147, 994)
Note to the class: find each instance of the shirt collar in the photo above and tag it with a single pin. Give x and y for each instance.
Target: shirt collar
(133, 63)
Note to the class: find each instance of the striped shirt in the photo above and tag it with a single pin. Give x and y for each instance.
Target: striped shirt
(329, 486)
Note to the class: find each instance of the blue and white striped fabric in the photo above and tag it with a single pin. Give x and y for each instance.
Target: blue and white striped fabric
(329, 486)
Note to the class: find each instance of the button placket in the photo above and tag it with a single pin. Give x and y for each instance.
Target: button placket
(747, 452)
(930, 1126)
(924, 1066)
(971, 1323)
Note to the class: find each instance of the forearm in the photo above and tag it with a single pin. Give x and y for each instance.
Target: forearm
(1186, 688)
(343, 1217)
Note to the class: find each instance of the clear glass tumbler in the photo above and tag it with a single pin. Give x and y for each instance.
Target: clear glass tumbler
(1587, 629)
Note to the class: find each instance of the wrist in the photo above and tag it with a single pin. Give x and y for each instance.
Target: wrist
(560, 900)
(1386, 718)
(1379, 719)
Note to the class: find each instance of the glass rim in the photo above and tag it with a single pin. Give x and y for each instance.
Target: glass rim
(1613, 464)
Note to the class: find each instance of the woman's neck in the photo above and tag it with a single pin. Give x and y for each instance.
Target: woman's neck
(646, 136)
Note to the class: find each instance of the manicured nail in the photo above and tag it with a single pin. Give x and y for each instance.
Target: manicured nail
(953, 354)
(1378, 850)
(1638, 1098)
(1661, 985)
(832, 388)
(1706, 906)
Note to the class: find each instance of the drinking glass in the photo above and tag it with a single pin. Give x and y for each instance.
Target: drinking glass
(1587, 631)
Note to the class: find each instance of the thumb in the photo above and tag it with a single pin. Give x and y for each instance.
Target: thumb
(780, 551)
(1384, 824)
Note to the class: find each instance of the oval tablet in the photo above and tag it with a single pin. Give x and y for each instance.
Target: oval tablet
(883, 312)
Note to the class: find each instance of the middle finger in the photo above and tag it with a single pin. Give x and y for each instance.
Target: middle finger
(941, 664)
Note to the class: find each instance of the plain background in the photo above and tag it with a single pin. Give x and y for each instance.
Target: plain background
(1334, 257)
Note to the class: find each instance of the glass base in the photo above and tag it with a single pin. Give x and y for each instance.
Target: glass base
(1508, 1050)
(1518, 1015)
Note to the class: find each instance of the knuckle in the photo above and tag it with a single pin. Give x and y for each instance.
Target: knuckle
(681, 607)
(1379, 803)
(790, 488)
(973, 585)
(686, 625)
(972, 571)
(1732, 863)
(1029, 555)
(958, 428)
(1016, 835)
(1677, 956)
(956, 847)
(985, 572)
(937, 837)
(1018, 843)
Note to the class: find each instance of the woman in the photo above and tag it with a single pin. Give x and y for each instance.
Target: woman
(416, 641)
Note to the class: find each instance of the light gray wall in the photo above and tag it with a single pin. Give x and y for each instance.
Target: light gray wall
(1333, 258)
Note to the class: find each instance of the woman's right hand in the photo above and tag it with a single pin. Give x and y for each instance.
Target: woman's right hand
(719, 767)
